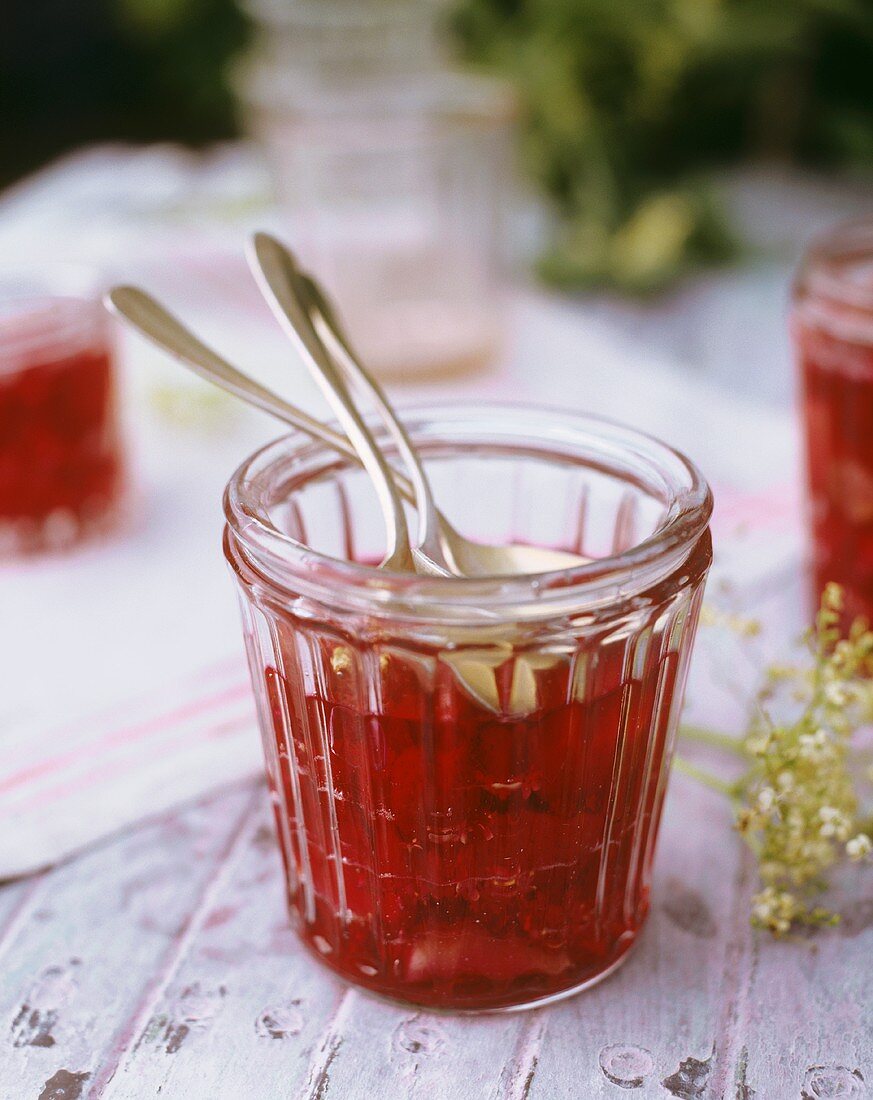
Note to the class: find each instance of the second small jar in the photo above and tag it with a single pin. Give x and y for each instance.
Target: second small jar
(61, 465)
(392, 172)
(832, 328)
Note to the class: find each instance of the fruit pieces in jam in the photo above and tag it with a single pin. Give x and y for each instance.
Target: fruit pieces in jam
(447, 851)
(835, 359)
(60, 452)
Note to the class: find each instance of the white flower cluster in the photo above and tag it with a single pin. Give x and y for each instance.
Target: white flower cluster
(799, 807)
(859, 847)
(775, 910)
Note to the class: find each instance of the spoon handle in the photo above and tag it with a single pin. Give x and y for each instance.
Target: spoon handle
(332, 332)
(277, 278)
(157, 324)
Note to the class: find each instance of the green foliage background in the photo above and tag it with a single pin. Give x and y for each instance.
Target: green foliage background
(628, 103)
(75, 71)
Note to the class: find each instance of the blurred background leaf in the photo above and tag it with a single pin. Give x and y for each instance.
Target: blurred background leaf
(629, 104)
(77, 71)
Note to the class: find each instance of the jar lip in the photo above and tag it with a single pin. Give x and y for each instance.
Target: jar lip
(47, 325)
(831, 258)
(338, 16)
(292, 566)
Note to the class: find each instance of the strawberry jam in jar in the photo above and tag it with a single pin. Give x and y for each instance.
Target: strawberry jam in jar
(467, 774)
(60, 446)
(832, 329)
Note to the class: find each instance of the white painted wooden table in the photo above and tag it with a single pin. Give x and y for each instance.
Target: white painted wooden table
(161, 965)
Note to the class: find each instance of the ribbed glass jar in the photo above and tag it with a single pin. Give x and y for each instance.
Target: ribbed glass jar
(467, 775)
(832, 328)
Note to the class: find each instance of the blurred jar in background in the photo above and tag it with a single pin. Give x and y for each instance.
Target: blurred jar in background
(61, 466)
(832, 328)
(392, 171)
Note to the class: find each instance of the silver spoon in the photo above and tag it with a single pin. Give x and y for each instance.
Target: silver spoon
(157, 324)
(436, 536)
(278, 280)
(430, 540)
(437, 541)
(292, 295)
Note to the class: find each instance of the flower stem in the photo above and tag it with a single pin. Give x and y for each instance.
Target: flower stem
(705, 777)
(718, 740)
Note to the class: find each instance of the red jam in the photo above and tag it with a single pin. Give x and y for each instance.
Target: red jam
(455, 853)
(60, 454)
(833, 334)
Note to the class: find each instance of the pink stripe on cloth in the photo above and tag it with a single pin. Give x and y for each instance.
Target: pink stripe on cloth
(131, 733)
(210, 675)
(63, 787)
(113, 769)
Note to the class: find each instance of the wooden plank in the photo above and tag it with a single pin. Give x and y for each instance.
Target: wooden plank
(804, 1025)
(14, 905)
(243, 1008)
(88, 938)
(653, 1027)
(379, 1049)
(247, 1014)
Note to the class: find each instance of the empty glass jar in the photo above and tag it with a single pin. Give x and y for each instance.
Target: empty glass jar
(392, 174)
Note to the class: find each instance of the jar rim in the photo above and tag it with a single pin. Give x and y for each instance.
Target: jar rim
(51, 326)
(830, 258)
(338, 15)
(295, 568)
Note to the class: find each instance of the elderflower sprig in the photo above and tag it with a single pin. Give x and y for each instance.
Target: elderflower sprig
(797, 805)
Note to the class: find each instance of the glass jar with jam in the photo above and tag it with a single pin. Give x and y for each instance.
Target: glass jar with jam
(61, 466)
(467, 774)
(832, 331)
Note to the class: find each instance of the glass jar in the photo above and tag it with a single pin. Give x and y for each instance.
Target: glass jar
(61, 467)
(832, 331)
(392, 174)
(467, 774)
